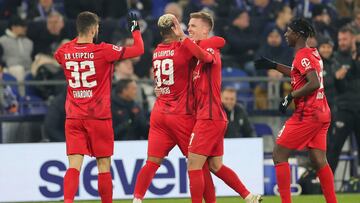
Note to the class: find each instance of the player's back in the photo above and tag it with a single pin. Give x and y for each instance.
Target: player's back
(172, 67)
(315, 104)
(88, 70)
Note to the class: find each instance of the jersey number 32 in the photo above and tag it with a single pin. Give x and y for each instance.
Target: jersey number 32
(80, 78)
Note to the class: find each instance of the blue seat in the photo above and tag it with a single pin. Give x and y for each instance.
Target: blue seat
(30, 89)
(14, 88)
(243, 88)
(262, 129)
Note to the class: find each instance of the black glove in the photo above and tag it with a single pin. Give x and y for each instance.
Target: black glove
(285, 102)
(133, 23)
(265, 63)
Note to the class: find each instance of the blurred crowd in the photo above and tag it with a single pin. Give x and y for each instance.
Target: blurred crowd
(31, 30)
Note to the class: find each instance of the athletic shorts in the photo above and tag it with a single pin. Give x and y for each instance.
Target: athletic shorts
(207, 138)
(168, 130)
(92, 137)
(298, 135)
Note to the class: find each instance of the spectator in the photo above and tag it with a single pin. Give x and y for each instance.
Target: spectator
(48, 36)
(8, 101)
(325, 48)
(177, 11)
(129, 121)
(263, 11)
(238, 121)
(17, 48)
(304, 8)
(355, 25)
(242, 38)
(54, 124)
(283, 18)
(347, 8)
(347, 119)
(41, 10)
(323, 23)
(274, 48)
(346, 42)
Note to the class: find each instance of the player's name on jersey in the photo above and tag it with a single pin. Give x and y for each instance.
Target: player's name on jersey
(163, 53)
(78, 55)
(80, 94)
(164, 90)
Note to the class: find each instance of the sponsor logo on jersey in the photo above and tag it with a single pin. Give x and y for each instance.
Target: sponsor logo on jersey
(305, 62)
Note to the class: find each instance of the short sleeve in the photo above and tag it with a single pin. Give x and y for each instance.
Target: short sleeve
(305, 64)
(112, 52)
(58, 56)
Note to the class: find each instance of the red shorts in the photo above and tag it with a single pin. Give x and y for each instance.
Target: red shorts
(168, 130)
(207, 138)
(89, 137)
(298, 135)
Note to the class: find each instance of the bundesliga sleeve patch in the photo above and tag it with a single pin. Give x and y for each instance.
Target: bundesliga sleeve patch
(117, 48)
(210, 50)
(305, 62)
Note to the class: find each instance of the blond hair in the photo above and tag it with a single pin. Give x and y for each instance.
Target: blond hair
(205, 16)
(165, 23)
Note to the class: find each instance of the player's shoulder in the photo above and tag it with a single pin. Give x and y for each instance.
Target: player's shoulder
(108, 46)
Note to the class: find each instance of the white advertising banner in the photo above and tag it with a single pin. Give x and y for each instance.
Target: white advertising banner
(34, 172)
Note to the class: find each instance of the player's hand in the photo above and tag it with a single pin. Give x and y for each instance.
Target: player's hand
(133, 23)
(265, 63)
(177, 29)
(285, 102)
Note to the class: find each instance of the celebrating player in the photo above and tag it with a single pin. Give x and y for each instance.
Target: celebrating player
(207, 137)
(308, 125)
(172, 117)
(88, 68)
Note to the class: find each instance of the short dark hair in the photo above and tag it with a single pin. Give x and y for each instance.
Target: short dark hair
(206, 17)
(16, 21)
(229, 89)
(85, 20)
(303, 27)
(348, 29)
(122, 84)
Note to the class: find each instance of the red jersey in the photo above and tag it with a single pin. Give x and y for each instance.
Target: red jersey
(207, 87)
(172, 67)
(88, 70)
(315, 104)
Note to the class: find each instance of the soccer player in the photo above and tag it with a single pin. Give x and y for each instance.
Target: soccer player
(172, 117)
(207, 138)
(88, 69)
(308, 126)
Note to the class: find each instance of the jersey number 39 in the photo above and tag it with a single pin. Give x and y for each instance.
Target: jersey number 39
(164, 68)
(80, 78)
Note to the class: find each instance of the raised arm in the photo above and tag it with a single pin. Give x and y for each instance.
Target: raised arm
(265, 63)
(137, 48)
(195, 50)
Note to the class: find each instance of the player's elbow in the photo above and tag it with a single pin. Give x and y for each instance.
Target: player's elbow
(315, 85)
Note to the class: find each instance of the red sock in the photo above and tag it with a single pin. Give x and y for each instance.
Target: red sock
(209, 190)
(105, 187)
(71, 184)
(196, 185)
(283, 180)
(232, 180)
(144, 179)
(327, 183)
